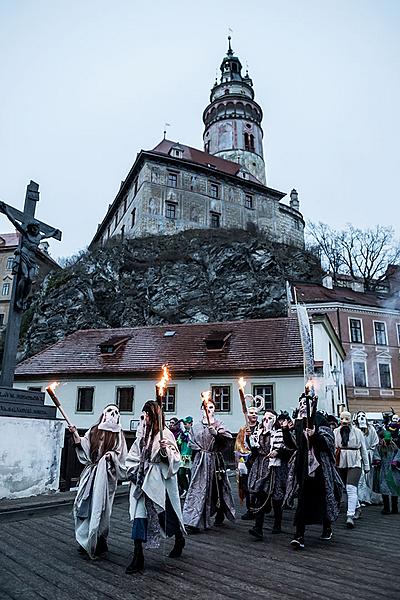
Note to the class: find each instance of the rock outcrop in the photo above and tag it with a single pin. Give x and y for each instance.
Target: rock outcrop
(192, 277)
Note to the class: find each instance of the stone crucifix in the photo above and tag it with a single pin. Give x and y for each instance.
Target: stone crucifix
(32, 232)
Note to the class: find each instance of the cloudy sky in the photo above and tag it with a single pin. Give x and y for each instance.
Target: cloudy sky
(86, 84)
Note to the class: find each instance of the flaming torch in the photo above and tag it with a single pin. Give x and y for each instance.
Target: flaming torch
(242, 384)
(161, 393)
(206, 397)
(50, 390)
(311, 403)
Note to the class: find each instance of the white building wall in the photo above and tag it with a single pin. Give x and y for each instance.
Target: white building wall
(286, 392)
(326, 387)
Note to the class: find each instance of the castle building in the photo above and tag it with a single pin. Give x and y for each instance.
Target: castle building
(175, 187)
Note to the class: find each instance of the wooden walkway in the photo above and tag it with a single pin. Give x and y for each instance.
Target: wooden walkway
(38, 560)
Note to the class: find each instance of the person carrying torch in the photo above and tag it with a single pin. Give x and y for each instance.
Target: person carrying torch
(102, 451)
(209, 492)
(152, 465)
(313, 477)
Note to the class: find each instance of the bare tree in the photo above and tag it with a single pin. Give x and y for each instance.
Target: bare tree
(361, 253)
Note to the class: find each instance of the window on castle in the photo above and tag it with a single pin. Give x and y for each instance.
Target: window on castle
(215, 220)
(207, 147)
(10, 261)
(170, 210)
(6, 289)
(193, 182)
(380, 333)
(214, 191)
(248, 201)
(251, 141)
(133, 217)
(1, 319)
(173, 179)
(246, 141)
(122, 232)
(385, 376)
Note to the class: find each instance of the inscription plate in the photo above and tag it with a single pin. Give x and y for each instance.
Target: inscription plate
(25, 403)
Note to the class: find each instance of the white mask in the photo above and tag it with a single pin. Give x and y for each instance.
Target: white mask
(362, 420)
(302, 408)
(110, 419)
(268, 421)
(345, 418)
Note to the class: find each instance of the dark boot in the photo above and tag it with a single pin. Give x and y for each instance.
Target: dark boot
(219, 517)
(257, 530)
(101, 546)
(277, 506)
(386, 504)
(137, 563)
(179, 545)
(395, 506)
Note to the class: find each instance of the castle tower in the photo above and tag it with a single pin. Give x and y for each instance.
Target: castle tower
(233, 119)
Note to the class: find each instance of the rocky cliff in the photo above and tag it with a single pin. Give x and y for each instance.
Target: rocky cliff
(192, 277)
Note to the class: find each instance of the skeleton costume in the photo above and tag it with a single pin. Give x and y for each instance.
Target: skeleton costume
(209, 492)
(351, 456)
(365, 493)
(244, 457)
(103, 451)
(154, 504)
(268, 474)
(313, 477)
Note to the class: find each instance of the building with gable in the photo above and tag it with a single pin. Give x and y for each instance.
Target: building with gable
(175, 187)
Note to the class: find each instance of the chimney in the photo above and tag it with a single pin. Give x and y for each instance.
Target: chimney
(294, 200)
(392, 276)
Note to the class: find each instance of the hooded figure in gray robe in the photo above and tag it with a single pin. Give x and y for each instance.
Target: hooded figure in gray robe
(209, 492)
(103, 452)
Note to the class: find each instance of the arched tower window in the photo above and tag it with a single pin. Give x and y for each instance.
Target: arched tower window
(251, 142)
(246, 141)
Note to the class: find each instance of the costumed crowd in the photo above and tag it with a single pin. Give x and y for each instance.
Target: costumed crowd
(179, 482)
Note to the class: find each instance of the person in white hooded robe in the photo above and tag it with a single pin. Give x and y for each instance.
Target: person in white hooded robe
(152, 466)
(103, 452)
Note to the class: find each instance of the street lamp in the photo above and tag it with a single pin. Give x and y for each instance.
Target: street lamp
(336, 374)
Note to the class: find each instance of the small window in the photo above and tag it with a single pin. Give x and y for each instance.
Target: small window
(221, 396)
(133, 217)
(5, 289)
(214, 191)
(207, 147)
(170, 210)
(10, 261)
(169, 402)
(215, 220)
(122, 232)
(380, 333)
(85, 399)
(193, 182)
(1, 319)
(125, 399)
(267, 392)
(355, 331)
(385, 376)
(173, 180)
(248, 201)
(398, 334)
(360, 374)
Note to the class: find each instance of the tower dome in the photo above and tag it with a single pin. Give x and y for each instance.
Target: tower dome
(233, 119)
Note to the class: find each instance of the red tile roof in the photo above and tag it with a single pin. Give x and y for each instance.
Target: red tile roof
(264, 344)
(315, 293)
(203, 158)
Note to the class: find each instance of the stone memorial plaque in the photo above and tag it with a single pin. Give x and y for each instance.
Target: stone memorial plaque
(25, 403)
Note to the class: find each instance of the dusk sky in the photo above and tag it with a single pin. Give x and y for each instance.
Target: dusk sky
(87, 84)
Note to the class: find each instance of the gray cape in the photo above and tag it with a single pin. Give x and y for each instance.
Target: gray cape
(199, 506)
(96, 491)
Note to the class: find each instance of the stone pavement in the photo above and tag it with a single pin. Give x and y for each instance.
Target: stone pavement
(38, 560)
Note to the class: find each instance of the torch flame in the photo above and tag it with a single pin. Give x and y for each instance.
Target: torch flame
(53, 385)
(162, 384)
(206, 396)
(242, 383)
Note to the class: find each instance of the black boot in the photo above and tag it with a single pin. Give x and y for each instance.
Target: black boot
(257, 530)
(101, 546)
(386, 505)
(219, 517)
(137, 563)
(179, 545)
(395, 506)
(277, 506)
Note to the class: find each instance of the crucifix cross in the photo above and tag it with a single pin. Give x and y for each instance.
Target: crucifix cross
(32, 232)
